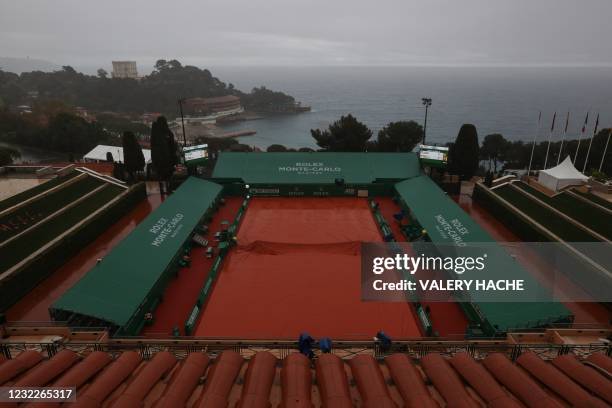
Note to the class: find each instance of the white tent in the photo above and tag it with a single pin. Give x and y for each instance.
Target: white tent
(98, 154)
(563, 175)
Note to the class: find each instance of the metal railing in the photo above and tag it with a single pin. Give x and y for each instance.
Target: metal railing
(281, 349)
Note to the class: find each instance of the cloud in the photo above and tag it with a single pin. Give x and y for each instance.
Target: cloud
(315, 32)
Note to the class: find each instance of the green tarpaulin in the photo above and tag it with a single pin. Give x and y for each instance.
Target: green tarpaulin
(315, 167)
(126, 279)
(447, 224)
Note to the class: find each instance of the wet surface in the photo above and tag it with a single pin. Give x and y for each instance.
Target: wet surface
(447, 319)
(34, 306)
(182, 292)
(9, 186)
(296, 269)
(585, 313)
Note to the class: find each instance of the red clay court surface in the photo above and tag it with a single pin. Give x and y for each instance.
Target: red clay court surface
(181, 293)
(296, 269)
(447, 319)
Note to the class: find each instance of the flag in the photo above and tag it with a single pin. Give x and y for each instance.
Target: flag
(586, 120)
(552, 128)
(596, 125)
(566, 122)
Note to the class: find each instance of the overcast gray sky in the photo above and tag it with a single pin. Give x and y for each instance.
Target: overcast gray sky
(315, 32)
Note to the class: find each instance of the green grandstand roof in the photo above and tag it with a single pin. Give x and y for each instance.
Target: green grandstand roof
(442, 219)
(315, 167)
(114, 289)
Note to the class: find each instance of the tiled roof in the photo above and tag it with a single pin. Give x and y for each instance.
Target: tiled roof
(265, 381)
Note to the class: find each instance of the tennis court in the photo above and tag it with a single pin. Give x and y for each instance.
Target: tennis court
(297, 268)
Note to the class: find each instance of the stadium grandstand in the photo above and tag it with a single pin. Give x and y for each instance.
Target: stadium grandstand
(572, 218)
(435, 212)
(129, 282)
(270, 232)
(227, 293)
(42, 226)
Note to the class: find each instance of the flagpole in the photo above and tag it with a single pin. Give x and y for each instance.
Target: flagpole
(563, 138)
(586, 122)
(605, 150)
(590, 143)
(533, 147)
(552, 129)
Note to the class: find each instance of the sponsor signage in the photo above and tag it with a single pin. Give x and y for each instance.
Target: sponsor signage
(310, 168)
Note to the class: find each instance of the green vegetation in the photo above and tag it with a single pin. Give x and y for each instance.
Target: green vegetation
(344, 135)
(585, 213)
(117, 124)
(494, 148)
(157, 92)
(350, 135)
(276, 148)
(164, 152)
(400, 136)
(53, 129)
(516, 155)
(465, 152)
(134, 160)
(599, 176)
(266, 101)
(8, 155)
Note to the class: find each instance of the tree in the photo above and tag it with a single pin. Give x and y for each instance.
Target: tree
(102, 74)
(400, 136)
(494, 148)
(160, 65)
(517, 155)
(70, 133)
(133, 158)
(118, 124)
(344, 135)
(238, 147)
(263, 99)
(464, 153)
(156, 92)
(68, 70)
(276, 148)
(8, 155)
(216, 144)
(163, 152)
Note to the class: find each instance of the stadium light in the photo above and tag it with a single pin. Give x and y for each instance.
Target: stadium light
(427, 104)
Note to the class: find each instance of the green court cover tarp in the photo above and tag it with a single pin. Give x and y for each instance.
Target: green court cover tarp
(447, 224)
(315, 167)
(115, 288)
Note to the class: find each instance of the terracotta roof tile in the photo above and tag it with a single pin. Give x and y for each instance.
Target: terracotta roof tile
(263, 381)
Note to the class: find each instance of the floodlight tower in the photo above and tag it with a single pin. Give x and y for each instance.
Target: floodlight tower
(427, 104)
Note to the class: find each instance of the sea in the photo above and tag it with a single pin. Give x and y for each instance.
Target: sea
(506, 100)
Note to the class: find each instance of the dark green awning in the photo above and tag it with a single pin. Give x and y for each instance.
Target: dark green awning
(114, 289)
(447, 224)
(315, 167)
